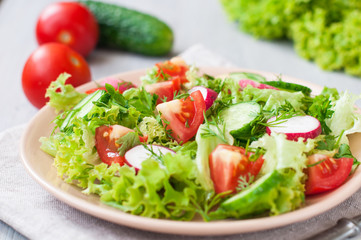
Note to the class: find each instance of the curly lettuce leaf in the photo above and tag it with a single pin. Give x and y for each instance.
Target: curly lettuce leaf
(63, 96)
(101, 108)
(282, 153)
(273, 99)
(170, 192)
(74, 154)
(156, 132)
(326, 31)
(345, 118)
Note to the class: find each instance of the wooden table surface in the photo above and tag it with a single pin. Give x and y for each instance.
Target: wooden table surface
(193, 22)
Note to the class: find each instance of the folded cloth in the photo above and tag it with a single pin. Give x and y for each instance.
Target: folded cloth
(36, 214)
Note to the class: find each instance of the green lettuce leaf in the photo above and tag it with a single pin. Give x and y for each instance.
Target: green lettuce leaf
(345, 117)
(273, 99)
(74, 154)
(66, 98)
(171, 192)
(282, 153)
(156, 132)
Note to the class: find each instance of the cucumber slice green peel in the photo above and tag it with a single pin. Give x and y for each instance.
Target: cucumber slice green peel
(82, 108)
(240, 120)
(293, 87)
(263, 195)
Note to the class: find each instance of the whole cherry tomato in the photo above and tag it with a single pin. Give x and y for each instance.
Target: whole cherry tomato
(45, 64)
(69, 23)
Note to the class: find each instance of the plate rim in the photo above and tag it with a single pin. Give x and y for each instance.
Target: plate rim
(191, 228)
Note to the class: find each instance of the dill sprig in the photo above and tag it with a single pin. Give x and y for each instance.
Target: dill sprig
(244, 182)
(165, 125)
(212, 129)
(281, 114)
(179, 95)
(156, 156)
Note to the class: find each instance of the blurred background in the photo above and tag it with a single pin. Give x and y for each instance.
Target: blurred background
(192, 21)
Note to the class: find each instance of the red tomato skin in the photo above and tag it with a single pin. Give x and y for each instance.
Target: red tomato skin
(90, 91)
(194, 106)
(328, 174)
(44, 66)
(165, 90)
(227, 163)
(171, 69)
(107, 148)
(69, 23)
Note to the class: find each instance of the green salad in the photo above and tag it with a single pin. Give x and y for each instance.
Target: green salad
(185, 144)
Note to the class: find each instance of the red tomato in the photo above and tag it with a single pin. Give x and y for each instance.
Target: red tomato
(227, 163)
(105, 143)
(69, 23)
(165, 90)
(90, 91)
(172, 69)
(328, 174)
(45, 64)
(183, 116)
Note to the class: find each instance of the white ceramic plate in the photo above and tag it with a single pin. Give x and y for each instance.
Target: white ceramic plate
(40, 167)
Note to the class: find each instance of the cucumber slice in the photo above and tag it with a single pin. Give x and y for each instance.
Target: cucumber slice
(239, 117)
(261, 196)
(257, 191)
(289, 86)
(82, 108)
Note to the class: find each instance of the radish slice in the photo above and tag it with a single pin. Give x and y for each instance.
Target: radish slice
(295, 127)
(209, 95)
(136, 155)
(123, 85)
(243, 83)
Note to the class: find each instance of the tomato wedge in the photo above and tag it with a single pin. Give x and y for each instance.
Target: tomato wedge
(165, 90)
(105, 143)
(176, 67)
(183, 116)
(90, 91)
(326, 173)
(228, 163)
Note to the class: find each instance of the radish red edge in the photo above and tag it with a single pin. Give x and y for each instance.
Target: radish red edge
(243, 83)
(209, 95)
(135, 156)
(296, 127)
(116, 83)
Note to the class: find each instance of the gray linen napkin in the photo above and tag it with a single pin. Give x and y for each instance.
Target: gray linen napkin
(36, 214)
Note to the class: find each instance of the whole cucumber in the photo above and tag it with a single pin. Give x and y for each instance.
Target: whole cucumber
(130, 30)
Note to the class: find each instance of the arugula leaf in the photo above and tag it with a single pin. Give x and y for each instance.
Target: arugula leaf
(115, 95)
(328, 143)
(321, 109)
(345, 152)
(143, 101)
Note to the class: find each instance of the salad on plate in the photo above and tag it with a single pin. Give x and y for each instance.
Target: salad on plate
(184, 144)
